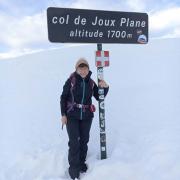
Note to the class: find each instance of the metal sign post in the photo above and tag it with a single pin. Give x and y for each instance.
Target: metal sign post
(101, 61)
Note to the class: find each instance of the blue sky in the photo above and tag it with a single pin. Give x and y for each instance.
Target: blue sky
(24, 28)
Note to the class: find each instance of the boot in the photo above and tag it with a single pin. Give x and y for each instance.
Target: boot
(83, 168)
(74, 173)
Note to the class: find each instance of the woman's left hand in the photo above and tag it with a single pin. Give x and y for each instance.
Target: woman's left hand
(103, 84)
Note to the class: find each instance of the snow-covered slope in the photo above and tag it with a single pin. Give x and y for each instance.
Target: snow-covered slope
(142, 113)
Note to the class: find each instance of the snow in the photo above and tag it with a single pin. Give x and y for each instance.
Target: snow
(142, 114)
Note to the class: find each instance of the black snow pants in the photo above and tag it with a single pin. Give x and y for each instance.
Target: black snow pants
(78, 133)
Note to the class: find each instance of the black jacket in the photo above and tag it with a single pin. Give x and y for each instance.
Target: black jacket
(82, 92)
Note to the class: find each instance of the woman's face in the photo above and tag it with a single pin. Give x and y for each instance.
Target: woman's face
(83, 71)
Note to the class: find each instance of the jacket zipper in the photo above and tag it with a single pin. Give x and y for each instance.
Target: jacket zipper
(82, 98)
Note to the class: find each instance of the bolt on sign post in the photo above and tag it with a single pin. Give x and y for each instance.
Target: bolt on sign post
(67, 25)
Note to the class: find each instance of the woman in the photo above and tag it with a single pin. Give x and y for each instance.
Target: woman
(77, 113)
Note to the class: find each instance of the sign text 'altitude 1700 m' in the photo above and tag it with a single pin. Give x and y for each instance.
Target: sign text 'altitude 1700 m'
(95, 26)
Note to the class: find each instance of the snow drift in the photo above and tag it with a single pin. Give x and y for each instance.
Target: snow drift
(142, 113)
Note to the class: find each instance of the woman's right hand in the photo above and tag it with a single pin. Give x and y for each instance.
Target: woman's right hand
(64, 120)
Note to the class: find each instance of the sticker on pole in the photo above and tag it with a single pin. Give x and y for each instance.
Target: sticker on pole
(96, 26)
(102, 58)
